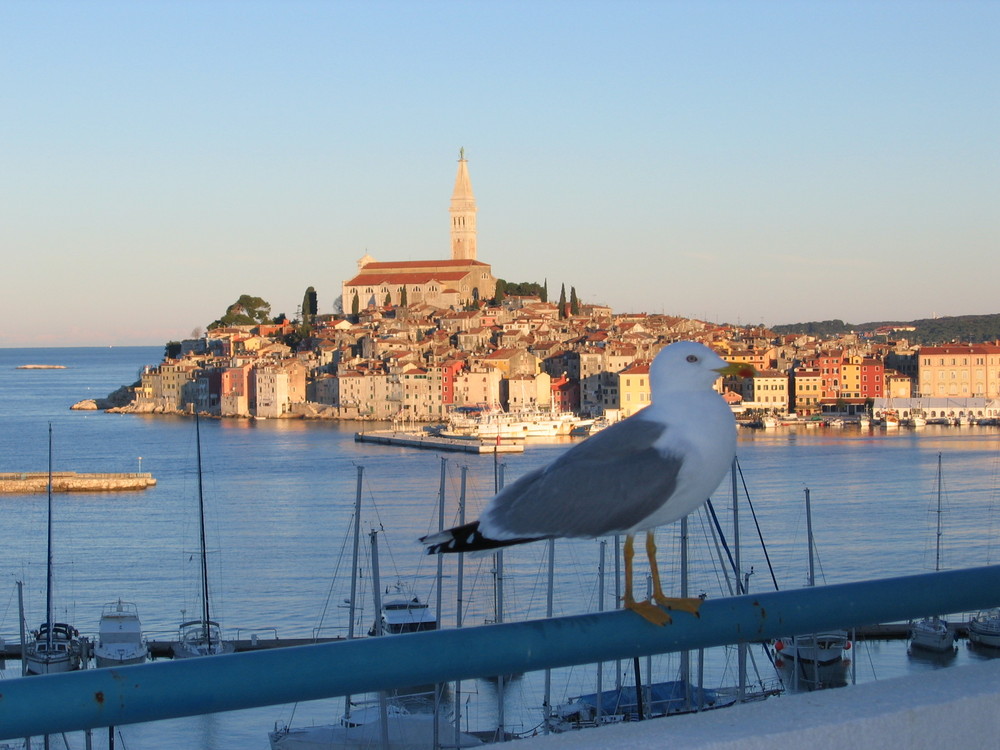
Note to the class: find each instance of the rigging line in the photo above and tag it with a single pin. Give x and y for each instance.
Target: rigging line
(760, 535)
(722, 539)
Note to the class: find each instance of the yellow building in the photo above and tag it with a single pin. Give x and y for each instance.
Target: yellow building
(959, 371)
(633, 389)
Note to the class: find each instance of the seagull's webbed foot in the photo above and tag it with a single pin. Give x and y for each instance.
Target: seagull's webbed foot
(691, 605)
(648, 611)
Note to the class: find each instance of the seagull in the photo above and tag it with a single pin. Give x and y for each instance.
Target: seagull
(650, 469)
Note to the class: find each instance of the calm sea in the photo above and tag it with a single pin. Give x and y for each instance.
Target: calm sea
(280, 497)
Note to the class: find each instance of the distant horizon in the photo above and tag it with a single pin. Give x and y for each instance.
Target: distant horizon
(727, 162)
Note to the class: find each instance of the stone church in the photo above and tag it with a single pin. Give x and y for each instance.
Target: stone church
(453, 283)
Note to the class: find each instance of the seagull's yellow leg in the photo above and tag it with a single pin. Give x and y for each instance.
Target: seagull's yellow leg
(645, 609)
(682, 605)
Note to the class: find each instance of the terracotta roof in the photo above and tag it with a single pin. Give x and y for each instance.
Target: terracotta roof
(388, 277)
(422, 264)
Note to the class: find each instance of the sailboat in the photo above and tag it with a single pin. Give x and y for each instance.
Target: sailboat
(385, 724)
(819, 649)
(201, 637)
(55, 646)
(933, 633)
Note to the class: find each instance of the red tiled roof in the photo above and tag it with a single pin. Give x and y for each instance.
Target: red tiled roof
(398, 279)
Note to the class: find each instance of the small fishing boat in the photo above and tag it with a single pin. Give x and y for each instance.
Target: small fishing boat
(120, 640)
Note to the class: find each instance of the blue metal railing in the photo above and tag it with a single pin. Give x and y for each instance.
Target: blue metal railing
(104, 697)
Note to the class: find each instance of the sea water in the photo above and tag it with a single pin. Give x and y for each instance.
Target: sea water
(280, 500)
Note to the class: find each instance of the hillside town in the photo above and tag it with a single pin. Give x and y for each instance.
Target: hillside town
(419, 363)
(419, 340)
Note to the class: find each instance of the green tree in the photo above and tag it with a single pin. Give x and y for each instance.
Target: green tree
(562, 301)
(172, 350)
(309, 306)
(355, 305)
(402, 297)
(246, 311)
(500, 292)
(388, 299)
(574, 303)
(545, 291)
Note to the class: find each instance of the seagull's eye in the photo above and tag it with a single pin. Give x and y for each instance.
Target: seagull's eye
(692, 358)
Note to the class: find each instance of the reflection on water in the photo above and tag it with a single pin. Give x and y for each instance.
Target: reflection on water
(280, 498)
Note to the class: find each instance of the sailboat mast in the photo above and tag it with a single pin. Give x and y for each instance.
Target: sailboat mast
(937, 554)
(205, 618)
(48, 562)
(809, 534)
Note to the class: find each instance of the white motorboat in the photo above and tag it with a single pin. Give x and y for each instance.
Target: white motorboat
(406, 615)
(55, 647)
(119, 637)
(815, 648)
(201, 637)
(984, 628)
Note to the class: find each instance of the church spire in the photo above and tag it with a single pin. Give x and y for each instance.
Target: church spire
(463, 214)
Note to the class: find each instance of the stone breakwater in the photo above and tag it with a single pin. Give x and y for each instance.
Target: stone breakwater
(70, 481)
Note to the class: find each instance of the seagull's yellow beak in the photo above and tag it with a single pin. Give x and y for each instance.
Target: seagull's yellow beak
(737, 369)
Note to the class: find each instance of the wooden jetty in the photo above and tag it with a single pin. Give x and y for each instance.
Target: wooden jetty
(22, 483)
(437, 443)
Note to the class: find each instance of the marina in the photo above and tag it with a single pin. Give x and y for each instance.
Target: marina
(282, 501)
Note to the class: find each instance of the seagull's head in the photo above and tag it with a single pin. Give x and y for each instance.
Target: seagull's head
(688, 365)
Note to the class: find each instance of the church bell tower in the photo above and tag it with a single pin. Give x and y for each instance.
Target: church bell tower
(463, 214)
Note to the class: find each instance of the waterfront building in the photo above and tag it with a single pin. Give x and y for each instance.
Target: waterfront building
(959, 371)
(806, 386)
(477, 387)
(768, 390)
(454, 283)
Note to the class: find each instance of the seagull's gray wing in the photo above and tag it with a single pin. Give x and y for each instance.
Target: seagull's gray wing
(608, 483)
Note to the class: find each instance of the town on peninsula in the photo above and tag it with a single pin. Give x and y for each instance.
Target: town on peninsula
(419, 340)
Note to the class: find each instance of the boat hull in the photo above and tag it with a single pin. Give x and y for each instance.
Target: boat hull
(984, 629)
(932, 634)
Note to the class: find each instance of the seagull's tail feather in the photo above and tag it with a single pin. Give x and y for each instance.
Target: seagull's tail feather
(466, 538)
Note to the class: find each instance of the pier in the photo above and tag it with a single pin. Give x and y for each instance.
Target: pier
(437, 443)
(23, 483)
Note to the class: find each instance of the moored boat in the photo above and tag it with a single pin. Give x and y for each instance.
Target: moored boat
(932, 634)
(119, 639)
(984, 628)
(201, 637)
(56, 646)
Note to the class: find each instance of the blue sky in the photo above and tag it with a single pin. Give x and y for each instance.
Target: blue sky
(732, 161)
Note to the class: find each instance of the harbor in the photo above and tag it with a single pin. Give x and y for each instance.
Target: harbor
(280, 494)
